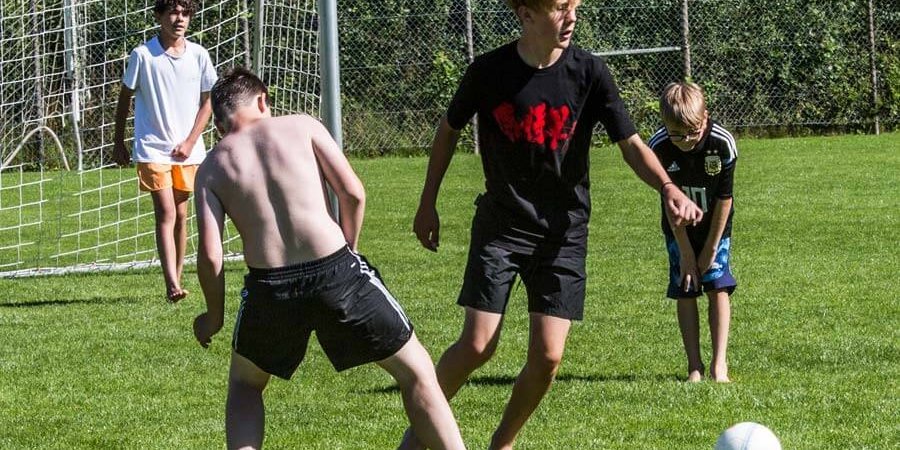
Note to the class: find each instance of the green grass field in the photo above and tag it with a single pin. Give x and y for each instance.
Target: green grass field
(101, 361)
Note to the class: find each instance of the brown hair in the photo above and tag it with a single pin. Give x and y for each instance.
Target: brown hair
(683, 103)
(165, 5)
(545, 5)
(235, 88)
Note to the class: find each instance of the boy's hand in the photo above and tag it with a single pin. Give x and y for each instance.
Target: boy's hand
(427, 227)
(690, 276)
(682, 211)
(183, 150)
(205, 327)
(121, 155)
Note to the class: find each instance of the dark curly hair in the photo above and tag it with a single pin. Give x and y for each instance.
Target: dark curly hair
(164, 5)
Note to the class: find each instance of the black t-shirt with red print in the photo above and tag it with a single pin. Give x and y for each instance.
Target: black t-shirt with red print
(535, 128)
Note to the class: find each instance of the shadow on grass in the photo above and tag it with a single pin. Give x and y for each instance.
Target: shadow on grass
(91, 301)
(508, 380)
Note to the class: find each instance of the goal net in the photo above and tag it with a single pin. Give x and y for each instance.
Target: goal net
(64, 205)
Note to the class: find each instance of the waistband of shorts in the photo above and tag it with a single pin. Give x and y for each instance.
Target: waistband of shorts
(300, 269)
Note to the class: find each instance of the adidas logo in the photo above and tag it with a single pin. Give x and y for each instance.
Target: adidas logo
(674, 167)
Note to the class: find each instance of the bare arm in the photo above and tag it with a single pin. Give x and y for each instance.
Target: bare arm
(690, 275)
(120, 154)
(681, 210)
(427, 224)
(210, 223)
(343, 181)
(184, 149)
(716, 229)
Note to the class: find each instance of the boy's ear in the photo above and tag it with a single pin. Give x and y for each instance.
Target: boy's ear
(523, 13)
(262, 102)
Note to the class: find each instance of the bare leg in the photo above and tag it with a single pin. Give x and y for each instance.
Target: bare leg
(427, 408)
(244, 410)
(547, 341)
(180, 233)
(689, 322)
(719, 325)
(475, 346)
(165, 215)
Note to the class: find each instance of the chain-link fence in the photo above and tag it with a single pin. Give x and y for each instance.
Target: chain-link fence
(766, 65)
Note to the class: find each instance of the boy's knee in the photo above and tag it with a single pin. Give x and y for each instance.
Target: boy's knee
(477, 352)
(245, 386)
(545, 362)
(244, 375)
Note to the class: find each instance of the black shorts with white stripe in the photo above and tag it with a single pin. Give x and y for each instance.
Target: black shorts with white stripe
(341, 297)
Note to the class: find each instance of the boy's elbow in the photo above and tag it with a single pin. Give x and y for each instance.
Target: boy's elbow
(357, 195)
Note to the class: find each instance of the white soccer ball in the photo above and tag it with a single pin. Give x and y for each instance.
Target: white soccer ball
(747, 436)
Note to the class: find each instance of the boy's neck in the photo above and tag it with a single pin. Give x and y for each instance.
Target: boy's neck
(538, 54)
(172, 44)
(240, 122)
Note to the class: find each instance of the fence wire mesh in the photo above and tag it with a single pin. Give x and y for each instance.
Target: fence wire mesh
(61, 66)
(769, 65)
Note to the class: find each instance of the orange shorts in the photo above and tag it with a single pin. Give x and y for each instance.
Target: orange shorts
(156, 177)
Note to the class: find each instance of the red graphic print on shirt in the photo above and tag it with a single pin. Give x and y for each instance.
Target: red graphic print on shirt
(542, 125)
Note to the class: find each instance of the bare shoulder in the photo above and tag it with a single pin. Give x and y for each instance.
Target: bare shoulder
(291, 119)
(211, 164)
(222, 152)
(290, 125)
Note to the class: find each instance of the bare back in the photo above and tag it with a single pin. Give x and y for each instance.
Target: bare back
(269, 181)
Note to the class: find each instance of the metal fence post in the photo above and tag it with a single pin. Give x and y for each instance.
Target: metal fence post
(260, 20)
(330, 67)
(329, 55)
(72, 67)
(470, 49)
(686, 38)
(246, 32)
(38, 77)
(873, 67)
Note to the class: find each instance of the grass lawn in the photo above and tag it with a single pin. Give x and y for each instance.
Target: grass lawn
(101, 361)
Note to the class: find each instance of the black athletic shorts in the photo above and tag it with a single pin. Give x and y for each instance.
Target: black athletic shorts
(340, 297)
(554, 281)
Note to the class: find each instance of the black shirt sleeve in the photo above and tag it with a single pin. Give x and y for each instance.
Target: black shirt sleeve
(464, 103)
(726, 180)
(610, 110)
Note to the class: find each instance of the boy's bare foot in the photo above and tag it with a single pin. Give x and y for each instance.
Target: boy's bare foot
(695, 376)
(719, 375)
(175, 294)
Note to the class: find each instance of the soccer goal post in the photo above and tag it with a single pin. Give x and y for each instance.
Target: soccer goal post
(64, 206)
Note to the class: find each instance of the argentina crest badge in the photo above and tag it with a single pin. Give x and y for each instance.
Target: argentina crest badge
(713, 165)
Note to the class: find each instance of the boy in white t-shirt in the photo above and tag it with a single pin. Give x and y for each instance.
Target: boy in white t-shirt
(170, 79)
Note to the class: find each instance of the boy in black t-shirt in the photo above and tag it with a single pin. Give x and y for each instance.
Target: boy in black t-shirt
(537, 100)
(699, 156)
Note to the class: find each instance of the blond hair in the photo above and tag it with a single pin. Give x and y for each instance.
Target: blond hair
(684, 104)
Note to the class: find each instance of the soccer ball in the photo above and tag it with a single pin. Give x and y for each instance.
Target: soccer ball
(747, 436)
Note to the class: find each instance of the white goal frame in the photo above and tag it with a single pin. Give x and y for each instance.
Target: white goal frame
(64, 206)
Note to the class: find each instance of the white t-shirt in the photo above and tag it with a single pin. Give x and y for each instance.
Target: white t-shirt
(166, 99)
